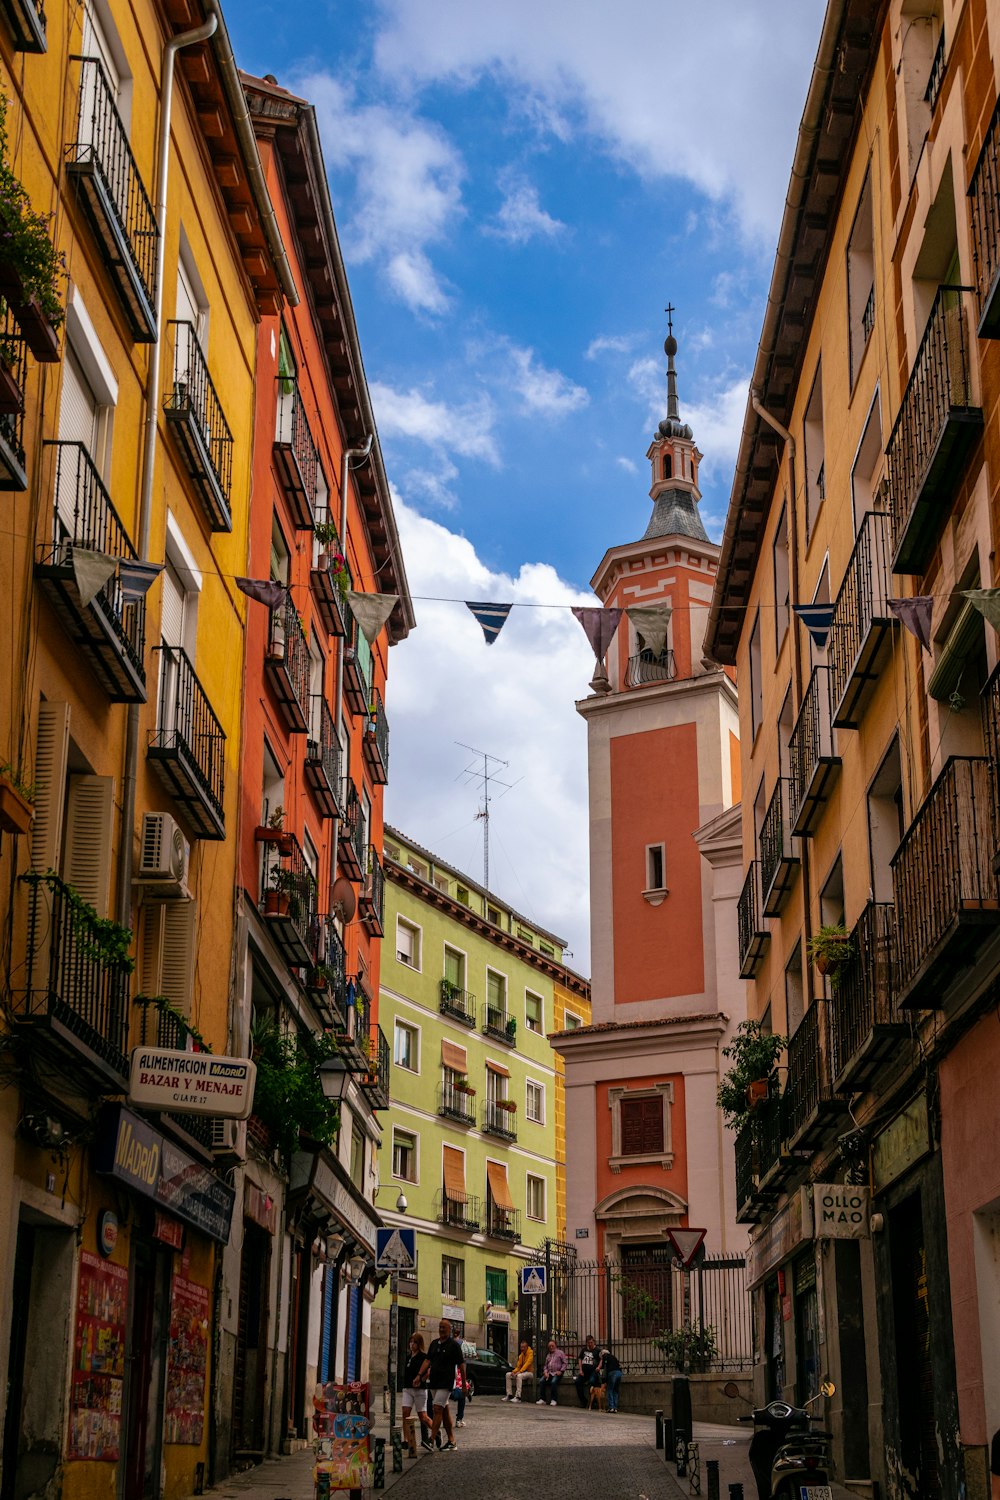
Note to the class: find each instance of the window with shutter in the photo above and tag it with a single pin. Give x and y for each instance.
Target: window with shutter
(169, 935)
(496, 990)
(454, 968)
(51, 756)
(87, 858)
(642, 1127)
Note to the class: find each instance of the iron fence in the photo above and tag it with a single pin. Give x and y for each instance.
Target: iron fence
(861, 600)
(864, 995)
(810, 747)
(984, 202)
(753, 935)
(776, 849)
(187, 727)
(295, 450)
(192, 396)
(807, 1082)
(460, 1005)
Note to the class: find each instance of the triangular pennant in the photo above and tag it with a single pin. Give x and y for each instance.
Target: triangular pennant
(492, 617)
(651, 621)
(987, 601)
(817, 618)
(91, 571)
(265, 590)
(135, 579)
(915, 616)
(371, 611)
(599, 626)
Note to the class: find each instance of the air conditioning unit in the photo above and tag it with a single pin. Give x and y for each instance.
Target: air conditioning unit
(229, 1140)
(164, 855)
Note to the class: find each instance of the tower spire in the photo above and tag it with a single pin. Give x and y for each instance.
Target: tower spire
(670, 348)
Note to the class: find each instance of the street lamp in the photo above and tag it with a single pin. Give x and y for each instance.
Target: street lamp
(395, 1438)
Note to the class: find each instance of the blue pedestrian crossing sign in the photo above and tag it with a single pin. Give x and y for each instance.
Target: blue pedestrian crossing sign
(395, 1249)
(534, 1281)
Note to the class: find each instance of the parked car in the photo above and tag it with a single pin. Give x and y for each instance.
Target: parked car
(486, 1370)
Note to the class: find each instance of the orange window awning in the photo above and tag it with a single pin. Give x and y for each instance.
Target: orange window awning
(496, 1067)
(454, 1175)
(453, 1056)
(497, 1178)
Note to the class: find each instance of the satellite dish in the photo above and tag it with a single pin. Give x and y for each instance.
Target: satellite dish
(342, 899)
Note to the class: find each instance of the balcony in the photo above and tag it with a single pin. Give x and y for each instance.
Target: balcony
(371, 897)
(26, 23)
(809, 1098)
(287, 666)
(943, 883)
(461, 1211)
(750, 1206)
(330, 583)
(288, 902)
(376, 1081)
(500, 1119)
(351, 845)
(775, 1162)
(498, 1024)
(460, 1005)
(815, 766)
(357, 671)
(645, 668)
(991, 742)
(110, 629)
(779, 864)
(984, 205)
(187, 750)
(753, 935)
(860, 636)
(111, 192)
(202, 434)
(455, 1104)
(502, 1223)
(295, 457)
(75, 1000)
(327, 978)
(865, 1026)
(13, 372)
(936, 427)
(322, 765)
(376, 742)
(354, 1035)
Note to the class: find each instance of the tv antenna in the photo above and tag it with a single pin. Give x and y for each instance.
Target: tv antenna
(487, 777)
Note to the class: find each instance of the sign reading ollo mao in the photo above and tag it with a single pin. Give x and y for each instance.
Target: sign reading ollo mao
(840, 1211)
(198, 1083)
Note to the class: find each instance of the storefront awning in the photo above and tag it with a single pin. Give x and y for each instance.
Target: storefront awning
(454, 1175)
(496, 1067)
(455, 1057)
(498, 1185)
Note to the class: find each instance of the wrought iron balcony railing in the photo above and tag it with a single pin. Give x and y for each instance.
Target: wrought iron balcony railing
(295, 455)
(461, 1211)
(809, 1098)
(502, 1223)
(323, 758)
(351, 844)
(371, 898)
(500, 1119)
(459, 1004)
(376, 1081)
(27, 24)
(114, 199)
(498, 1024)
(376, 742)
(749, 1206)
(162, 1028)
(984, 205)
(779, 863)
(187, 749)
(331, 582)
(287, 665)
(354, 1036)
(991, 743)
(13, 373)
(943, 882)
(111, 628)
(862, 622)
(753, 935)
(357, 669)
(455, 1104)
(814, 763)
(288, 901)
(864, 1022)
(73, 993)
(645, 668)
(936, 426)
(868, 314)
(327, 978)
(775, 1162)
(196, 418)
(936, 77)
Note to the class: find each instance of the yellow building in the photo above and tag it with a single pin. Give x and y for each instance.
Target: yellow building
(122, 720)
(571, 1010)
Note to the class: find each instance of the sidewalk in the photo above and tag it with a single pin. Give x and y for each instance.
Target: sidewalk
(730, 1446)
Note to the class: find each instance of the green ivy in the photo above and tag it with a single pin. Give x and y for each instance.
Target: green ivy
(101, 939)
(25, 242)
(288, 1096)
(162, 1005)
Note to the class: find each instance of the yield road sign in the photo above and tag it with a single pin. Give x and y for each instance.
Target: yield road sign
(395, 1249)
(533, 1281)
(686, 1243)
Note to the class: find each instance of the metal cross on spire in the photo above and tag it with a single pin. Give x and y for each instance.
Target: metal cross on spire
(670, 349)
(670, 309)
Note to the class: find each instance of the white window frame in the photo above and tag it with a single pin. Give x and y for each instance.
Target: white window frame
(401, 1130)
(399, 1023)
(530, 1178)
(463, 955)
(506, 987)
(540, 1031)
(653, 893)
(571, 1015)
(664, 1158)
(529, 1084)
(417, 933)
(456, 1294)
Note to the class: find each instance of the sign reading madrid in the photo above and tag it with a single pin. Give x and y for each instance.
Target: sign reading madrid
(192, 1082)
(395, 1249)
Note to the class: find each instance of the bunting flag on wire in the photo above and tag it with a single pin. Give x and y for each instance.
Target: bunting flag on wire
(91, 571)
(651, 621)
(136, 578)
(492, 617)
(599, 626)
(265, 590)
(371, 611)
(817, 618)
(987, 601)
(915, 616)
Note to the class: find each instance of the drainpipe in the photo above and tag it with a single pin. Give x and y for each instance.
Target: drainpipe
(170, 51)
(338, 692)
(793, 625)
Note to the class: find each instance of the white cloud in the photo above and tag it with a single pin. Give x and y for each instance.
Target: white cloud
(609, 343)
(717, 422)
(410, 273)
(628, 465)
(548, 393)
(521, 216)
(587, 66)
(513, 699)
(466, 430)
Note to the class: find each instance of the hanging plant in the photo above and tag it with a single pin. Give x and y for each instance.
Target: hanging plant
(288, 1096)
(753, 1053)
(16, 799)
(830, 949)
(101, 939)
(185, 1028)
(32, 271)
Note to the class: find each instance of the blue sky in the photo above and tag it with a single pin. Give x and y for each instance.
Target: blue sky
(520, 187)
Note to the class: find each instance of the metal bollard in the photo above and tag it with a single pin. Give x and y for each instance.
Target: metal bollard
(735, 1492)
(378, 1465)
(712, 1476)
(659, 1428)
(397, 1451)
(681, 1454)
(668, 1440)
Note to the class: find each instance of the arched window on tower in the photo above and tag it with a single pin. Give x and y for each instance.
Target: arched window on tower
(668, 465)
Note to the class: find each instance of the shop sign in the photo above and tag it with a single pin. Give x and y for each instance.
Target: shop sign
(902, 1143)
(781, 1237)
(497, 1315)
(313, 1172)
(197, 1083)
(840, 1212)
(453, 1314)
(107, 1232)
(168, 1231)
(145, 1161)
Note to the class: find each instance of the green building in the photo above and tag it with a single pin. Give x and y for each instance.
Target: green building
(470, 991)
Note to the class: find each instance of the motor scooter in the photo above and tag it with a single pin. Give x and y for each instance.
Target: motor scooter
(789, 1457)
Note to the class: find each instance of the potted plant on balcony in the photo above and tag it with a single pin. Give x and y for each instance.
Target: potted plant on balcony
(16, 799)
(463, 1086)
(753, 1054)
(326, 534)
(276, 645)
(509, 1106)
(31, 269)
(11, 395)
(830, 949)
(273, 832)
(321, 977)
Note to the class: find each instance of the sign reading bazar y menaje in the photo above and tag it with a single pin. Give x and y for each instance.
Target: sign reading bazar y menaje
(192, 1082)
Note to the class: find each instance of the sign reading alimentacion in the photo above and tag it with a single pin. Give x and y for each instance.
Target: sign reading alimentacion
(192, 1083)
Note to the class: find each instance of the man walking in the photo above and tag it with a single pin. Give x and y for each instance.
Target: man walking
(443, 1363)
(522, 1371)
